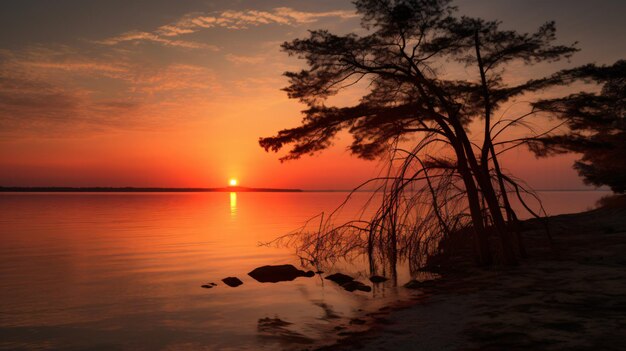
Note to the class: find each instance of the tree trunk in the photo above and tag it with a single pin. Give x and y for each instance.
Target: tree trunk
(481, 242)
(486, 184)
(486, 187)
(510, 214)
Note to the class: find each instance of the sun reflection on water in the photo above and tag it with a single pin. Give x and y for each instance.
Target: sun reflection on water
(233, 204)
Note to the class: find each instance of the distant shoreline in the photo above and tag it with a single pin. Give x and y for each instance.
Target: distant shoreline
(141, 190)
(209, 190)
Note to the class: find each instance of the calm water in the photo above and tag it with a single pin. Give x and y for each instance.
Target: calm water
(123, 271)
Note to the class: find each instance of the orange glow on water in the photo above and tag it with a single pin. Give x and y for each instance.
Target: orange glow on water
(233, 204)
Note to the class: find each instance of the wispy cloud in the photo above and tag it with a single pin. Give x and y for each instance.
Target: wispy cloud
(40, 91)
(175, 80)
(136, 36)
(245, 59)
(61, 62)
(246, 19)
(31, 104)
(235, 20)
(19, 96)
(309, 17)
(124, 86)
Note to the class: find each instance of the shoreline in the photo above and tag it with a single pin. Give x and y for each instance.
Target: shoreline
(573, 298)
(142, 190)
(16, 189)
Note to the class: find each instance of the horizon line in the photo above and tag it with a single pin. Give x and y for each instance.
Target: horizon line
(131, 189)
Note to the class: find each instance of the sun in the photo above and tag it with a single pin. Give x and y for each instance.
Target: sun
(232, 182)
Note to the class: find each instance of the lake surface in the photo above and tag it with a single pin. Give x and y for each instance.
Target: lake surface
(123, 271)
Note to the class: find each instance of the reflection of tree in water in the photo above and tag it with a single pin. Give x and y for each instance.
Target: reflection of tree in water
(275, 329)
(329, 313)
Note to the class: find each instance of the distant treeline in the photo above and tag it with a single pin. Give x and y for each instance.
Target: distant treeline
(139, 190)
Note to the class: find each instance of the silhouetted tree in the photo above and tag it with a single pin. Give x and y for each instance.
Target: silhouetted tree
(404, 56)
(597, 127)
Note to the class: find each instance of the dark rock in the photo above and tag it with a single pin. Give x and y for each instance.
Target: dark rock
(412, 284)
(207, 286)
(416, 284)
(357, 321)
(272, 323)
(356, 285)
(378, 279)
(346, 333)
(364, 288)
(340, 278)
(281, 273)
(233, 282)
(381, 320)
(319, 272)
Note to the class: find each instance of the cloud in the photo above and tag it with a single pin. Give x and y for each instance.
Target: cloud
(34, 105)
(43, 92)
(60, 87)
(136, 36)
(62, 62)
(243, 59)
(246, 19)
(19, 93)
(309, 17)
(175, 79)
(105, 69)
(235, 20)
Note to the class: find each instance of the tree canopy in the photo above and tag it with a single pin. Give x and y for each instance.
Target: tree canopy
(408, 40)
(596, 127)
(403, 57)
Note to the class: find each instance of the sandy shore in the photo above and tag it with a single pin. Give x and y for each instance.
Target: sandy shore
(573, 298)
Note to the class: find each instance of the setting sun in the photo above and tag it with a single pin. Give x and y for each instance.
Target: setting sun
(232, 182)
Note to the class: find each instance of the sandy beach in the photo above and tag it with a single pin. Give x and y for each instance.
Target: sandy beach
(573, 298)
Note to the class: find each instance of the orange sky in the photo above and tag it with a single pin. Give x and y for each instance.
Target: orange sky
(176, 94)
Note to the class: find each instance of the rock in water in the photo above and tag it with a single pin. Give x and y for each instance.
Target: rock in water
(416, 284)
(265, 323)
(412, 284)
(357, 321)
(340, 278)
(233, 282)
(281, 273)
(356, 285)
(207, 286)
(378, 279)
